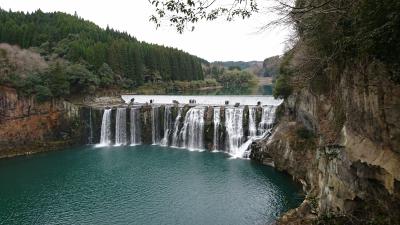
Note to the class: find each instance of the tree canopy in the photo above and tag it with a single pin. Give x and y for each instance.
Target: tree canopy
(183, 13)
(113, 57)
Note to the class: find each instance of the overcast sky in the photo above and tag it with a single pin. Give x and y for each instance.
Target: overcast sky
(214, 41)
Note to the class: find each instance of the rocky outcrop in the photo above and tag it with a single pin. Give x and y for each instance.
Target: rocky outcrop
(343, 145)
(28, 126)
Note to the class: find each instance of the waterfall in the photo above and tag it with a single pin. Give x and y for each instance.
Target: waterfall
(120, 127)
(187, 130)
(135, 126)
(217, 121)
(234, 129)
(252, 122)
(175, 140)
(155, 125)
(192, 133)
(267, 119)
(105, 135)
(167, 128)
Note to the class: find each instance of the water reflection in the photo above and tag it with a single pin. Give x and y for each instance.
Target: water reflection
(254, 90)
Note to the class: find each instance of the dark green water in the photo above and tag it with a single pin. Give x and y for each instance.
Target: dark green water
(141, 185)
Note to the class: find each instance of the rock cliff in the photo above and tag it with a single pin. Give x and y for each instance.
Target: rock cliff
(343, 144)
(28, 126)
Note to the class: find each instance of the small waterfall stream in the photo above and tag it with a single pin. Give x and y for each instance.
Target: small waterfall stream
(135, 128)
(192, 134)
(267, 119)
(120, 127)
(224, 132)
(155, 125)
(175, 140)
(252, 121)
(167, 124)
(234, 129)
(105, 135)
(216, 133)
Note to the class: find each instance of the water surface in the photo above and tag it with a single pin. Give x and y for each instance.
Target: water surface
(141, 185)
(205, 99)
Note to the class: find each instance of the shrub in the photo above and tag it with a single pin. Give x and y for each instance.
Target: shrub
(304, 133)
(43, 93)
(282, 89)
(81, 79)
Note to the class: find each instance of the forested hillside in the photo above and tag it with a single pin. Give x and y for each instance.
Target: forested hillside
(267, 68)
(255, 67)
(271, 66)
(86, 57)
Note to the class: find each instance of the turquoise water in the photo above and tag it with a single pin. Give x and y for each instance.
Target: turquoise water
(141, 185)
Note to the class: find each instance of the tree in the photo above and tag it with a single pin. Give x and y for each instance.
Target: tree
(106, 75)
(86, 50)
(43, 93)
(81, 79)
(58, 81)
(183, 13)
(282, 88)
(237, 78)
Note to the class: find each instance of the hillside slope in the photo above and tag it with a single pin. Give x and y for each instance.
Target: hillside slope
(114, 59)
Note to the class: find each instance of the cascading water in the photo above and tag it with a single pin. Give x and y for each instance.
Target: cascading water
(241, 151)
(155, 125)
(217, 122)
(192, 133)
(266, 124)
(120, 127)
(267, 119)
(252, 122)
(135, 126)
(167, 124)
(234, 129)
(175, 135)
(105, 135)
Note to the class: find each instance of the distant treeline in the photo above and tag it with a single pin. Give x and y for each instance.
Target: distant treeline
(237, 64)
(70, 38)
(271, 66)
(267, 68)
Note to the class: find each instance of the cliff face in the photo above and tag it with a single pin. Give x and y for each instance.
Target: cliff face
(351, 164)
(28, 126)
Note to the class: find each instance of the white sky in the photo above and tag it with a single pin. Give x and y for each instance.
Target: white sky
(214, 41)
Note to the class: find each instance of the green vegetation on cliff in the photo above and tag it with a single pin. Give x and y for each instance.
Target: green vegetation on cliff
(334, 36)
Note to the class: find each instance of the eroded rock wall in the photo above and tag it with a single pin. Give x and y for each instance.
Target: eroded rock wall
(350, 165)
(28, 126)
